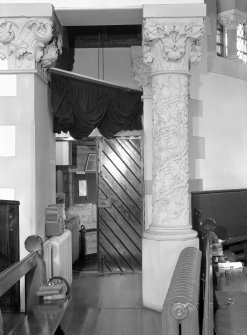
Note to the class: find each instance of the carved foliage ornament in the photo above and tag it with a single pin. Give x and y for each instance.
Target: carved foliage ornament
(232, 18)
(24, 42)
(170, 46)
(170, 150)
(141, 73)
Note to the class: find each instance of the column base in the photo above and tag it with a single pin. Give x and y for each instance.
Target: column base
(159, 258)
(162, 233)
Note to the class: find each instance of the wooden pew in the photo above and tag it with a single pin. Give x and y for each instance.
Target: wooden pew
(235, 244)
(40, 317)
(224, 296)
(208, 305)
(228, 209)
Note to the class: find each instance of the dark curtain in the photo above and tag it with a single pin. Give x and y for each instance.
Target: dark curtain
(80, 104)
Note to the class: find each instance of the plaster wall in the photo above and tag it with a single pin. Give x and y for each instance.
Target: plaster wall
(45, 167)
(63, 4)
(223, 123)
(220, 84)
(17, 171)
(30, 170)
(110, 64)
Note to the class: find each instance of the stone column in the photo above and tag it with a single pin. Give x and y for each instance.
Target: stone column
(230, 19)
(170, 46)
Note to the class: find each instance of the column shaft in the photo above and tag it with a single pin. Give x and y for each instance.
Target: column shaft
(170, 151)
(232, 44)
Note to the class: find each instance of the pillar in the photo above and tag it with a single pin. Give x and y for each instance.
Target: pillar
(30, 40)
(230, 19)
(170, 45)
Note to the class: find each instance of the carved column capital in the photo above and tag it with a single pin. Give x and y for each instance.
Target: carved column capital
(28, 42)
(140, 70)
(230, 19)
(172, 44)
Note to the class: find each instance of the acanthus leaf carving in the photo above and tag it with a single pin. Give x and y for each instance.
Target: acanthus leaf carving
(24, 41)
(140, 70)
(231, 18)
(6, 31)
(52, 51)
(171, 46)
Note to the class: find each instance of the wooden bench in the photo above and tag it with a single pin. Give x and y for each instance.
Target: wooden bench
(236, 244)
(224, 296)
(40, 317)
(228, 209)
(207, 301)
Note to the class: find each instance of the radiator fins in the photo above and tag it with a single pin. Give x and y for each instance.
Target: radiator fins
(58, 256)
(180, 311)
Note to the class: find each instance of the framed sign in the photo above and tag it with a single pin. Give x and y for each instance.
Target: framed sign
(80, 188)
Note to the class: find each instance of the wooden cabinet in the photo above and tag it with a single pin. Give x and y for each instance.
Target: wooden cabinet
(9, 249)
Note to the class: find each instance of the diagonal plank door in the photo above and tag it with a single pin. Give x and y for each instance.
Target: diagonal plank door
(120, 208)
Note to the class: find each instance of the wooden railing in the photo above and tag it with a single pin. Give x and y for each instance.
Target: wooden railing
(40, 318)
(33, 268)
(208, 288)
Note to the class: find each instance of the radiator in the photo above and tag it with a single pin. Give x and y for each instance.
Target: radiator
(180, 314)
(58, 256)
(74, 226)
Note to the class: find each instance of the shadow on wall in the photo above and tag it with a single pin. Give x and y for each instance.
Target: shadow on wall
(66, 60)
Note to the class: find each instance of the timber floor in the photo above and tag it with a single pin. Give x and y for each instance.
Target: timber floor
(87, 264)
(109, 304)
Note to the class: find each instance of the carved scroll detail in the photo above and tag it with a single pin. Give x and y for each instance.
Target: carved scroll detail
(172, 46)
(140, 70)
(24, 42)
(232, 18)
(170, 150)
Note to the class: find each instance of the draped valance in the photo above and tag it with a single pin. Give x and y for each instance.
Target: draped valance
(80, 104)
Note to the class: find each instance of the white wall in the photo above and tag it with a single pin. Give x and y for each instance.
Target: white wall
(45, 165)
(224, 124)
(223, 115)
(63, 4)
(30, 170)
(17, 172)
(110, 64)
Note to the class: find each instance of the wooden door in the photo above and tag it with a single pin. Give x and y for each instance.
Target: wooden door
(120, 204)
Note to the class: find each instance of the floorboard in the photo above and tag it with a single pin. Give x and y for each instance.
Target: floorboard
(109, 305)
